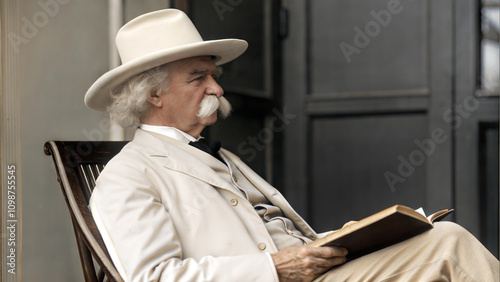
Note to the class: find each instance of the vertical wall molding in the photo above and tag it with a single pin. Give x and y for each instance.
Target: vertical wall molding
(10, 144)
(116, 20)
(439, 181)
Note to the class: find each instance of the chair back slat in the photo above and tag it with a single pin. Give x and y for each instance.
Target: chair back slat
(87, 184)
(95, 171)
(78, 165)
(89, 174)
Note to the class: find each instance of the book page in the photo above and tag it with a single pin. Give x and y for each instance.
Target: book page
(421, 211)
(439, 215)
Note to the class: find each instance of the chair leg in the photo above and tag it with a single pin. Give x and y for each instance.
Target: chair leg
(101, 276)
(86, 261)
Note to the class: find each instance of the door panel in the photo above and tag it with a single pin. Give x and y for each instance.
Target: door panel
(370, 133)
(349, 160)
(360, 45)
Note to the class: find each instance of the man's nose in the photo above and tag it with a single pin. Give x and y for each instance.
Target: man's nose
(214, 88)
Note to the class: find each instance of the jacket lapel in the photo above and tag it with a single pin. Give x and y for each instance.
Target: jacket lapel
(178, 156)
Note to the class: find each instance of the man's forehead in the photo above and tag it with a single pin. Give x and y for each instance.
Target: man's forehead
(193, 66)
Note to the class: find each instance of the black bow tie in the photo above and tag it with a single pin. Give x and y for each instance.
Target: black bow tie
(209, 147)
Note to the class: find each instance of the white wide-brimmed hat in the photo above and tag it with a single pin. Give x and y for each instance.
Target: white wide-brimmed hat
(155, 39)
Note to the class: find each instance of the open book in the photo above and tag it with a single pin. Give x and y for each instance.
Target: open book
(380, 230)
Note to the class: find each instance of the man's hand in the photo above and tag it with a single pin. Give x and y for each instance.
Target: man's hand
(306, 263)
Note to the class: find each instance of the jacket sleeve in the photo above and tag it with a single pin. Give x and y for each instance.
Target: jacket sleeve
(141, 238)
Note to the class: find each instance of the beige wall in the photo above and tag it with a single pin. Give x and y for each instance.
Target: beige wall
(56, 67)
(64, 50)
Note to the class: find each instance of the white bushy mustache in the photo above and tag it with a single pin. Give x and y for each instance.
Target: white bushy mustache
(211, 103)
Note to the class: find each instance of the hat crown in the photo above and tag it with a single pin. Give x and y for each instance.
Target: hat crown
(153, 32)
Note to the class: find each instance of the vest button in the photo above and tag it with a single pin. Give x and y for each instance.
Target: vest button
(262, 246)
(233, 202)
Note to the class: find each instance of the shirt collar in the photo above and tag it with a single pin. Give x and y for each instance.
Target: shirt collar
(171, 132)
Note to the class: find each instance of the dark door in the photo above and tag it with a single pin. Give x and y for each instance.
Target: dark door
(378, 88)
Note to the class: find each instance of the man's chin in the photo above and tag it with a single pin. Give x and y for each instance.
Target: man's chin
(210, 120)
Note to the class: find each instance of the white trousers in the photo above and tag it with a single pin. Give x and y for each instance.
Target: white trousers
(447, 252)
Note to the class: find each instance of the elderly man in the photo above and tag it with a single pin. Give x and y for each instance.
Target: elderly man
(169, 211)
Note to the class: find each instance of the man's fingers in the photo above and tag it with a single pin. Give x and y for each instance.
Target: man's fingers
(349, 224)
(306, 263)
(331, 252)
(332, 256)
(326, 257)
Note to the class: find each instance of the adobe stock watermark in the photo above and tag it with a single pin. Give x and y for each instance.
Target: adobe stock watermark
(253, 144)
(425, 148)
(94, 137)
(39, 19)
(372, 29)
(201, 198)
(222, 7)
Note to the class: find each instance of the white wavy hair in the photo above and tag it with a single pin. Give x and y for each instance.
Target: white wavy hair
(130, 103)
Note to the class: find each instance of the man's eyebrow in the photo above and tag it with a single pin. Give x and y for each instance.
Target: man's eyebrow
(198, 71)
(218, 71)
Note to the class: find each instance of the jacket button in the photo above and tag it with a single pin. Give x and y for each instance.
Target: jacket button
(262, 246)
(233, 202)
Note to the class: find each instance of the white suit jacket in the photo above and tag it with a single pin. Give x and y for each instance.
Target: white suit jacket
(167, 216)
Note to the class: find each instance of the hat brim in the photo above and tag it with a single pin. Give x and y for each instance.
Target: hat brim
(98, 97)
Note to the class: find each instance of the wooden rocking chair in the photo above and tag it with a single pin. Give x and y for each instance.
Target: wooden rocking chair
(78, 164)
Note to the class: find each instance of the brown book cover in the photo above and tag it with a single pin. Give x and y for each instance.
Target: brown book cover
(380, 230)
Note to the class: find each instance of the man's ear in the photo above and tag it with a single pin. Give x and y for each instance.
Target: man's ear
(155, 99)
